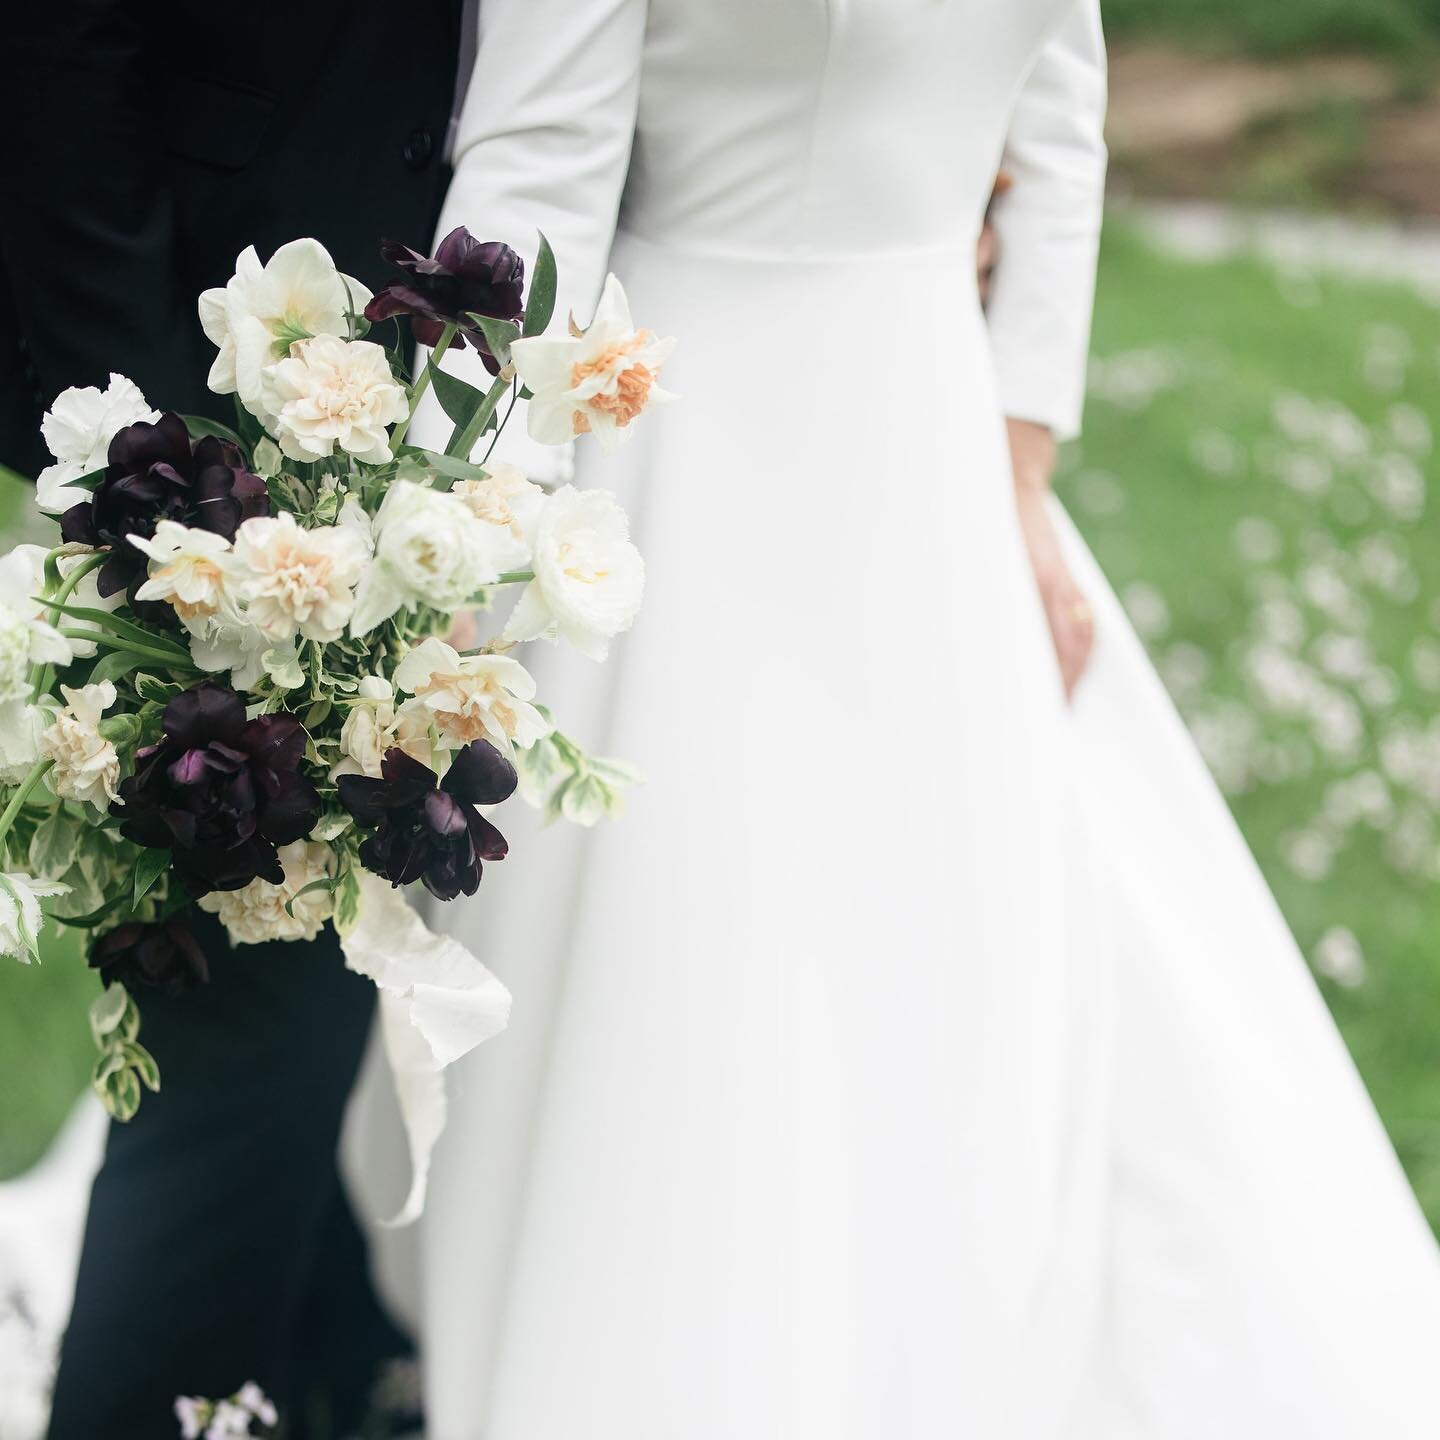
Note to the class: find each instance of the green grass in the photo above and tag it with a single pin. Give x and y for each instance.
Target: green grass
(1180, 477)
(1395, 28)
(1233, 415)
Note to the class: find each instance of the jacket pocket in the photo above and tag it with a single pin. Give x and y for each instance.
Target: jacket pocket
(217, 122)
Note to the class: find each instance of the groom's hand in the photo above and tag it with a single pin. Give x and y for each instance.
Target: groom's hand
(1072, 623)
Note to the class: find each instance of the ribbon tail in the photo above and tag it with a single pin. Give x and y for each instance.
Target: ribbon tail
(437, 1003)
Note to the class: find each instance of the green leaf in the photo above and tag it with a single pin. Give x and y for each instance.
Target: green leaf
(318, 713)
(52, 847)
(143, 1063)
(151, 639)
(151, 687)
(114, 665)
(499, 335)
(458, 398)
(202, 425)
(120, 1094)
(151, 865)
(322, 884)
(541, 304)
(449, 465)
(347, 901)
(108, 1009)
(107, 1063)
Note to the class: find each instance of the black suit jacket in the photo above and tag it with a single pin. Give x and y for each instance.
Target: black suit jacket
(146, 142)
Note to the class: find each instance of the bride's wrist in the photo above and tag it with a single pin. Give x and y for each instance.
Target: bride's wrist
(1032, 455)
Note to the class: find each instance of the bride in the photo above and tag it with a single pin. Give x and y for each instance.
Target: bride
(923, 1055)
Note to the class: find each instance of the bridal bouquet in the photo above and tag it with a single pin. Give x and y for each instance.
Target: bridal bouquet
(228, 685)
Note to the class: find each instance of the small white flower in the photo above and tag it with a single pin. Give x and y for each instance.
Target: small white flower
(508, 501)
(26, 637)
(376, 724)
(252, 1398)
(78, 429)
(264, 309)
(86, 766)
(330, 393)
(233, 644)
(473, 697)
(20, 727)
(589, 578)
(20, 916)
(429, 548)
(297, 581)
(189, 568)
(257, 912)
(599, 381)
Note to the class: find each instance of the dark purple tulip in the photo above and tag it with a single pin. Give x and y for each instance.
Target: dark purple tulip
(163, 956)
(221, 791)
(154, 474)
(466, 276)
(429, 831)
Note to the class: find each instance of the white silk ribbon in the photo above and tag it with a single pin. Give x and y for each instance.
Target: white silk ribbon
(437, 1003)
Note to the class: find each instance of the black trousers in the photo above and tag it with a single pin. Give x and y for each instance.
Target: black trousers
(220, 1246)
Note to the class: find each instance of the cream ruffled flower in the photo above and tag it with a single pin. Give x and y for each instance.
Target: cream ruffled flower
(376, 724)
(78, 429)
(20, 915)
(26, 637)
(297, 581)
(429, 548)
(189, 571)
(256, 912)
(589, 578)
(599, 381)
(86, 766)
(333, 392)
(510, 503)
(264, 309)
(473, 697)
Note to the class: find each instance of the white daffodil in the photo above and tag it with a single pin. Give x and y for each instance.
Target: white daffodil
(429, 548)
(596, 382)
(296, 581)
(589, 578)
(258, 911)
(26, 637)
(20, 915)
(264, 309)
(78, 429)
(473, 697)
(189, 571)
(333, 393)
(86, 766)
(510, 503)
(376, 723)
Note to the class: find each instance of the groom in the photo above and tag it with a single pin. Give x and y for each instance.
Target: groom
(146, 145)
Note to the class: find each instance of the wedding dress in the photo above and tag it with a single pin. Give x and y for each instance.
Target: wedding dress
(920, 1056)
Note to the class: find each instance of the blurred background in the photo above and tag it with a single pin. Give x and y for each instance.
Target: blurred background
(1254, 477)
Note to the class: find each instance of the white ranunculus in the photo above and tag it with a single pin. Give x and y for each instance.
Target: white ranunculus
(295, 581)
(189, 571)
(20, 727)
(376, 723)
(232, 643)
(78, 429)
(599, 381)
(334, 393)
(256, 912)
(264, 309)
(508, 501)
(473, 697)
(429, 548)
(86, 766)
(26, 637)
(20, 917)
(589, 578)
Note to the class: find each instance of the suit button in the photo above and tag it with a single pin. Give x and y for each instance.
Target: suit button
(419, 147)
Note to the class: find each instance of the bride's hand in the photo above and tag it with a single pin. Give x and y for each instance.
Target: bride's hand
(1072, 623)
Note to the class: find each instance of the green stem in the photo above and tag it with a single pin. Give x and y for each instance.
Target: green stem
(41, 675)
(462, 442)
(7, 819)
(422, 381)
(516, 577)
(173, 658)
(500, 428)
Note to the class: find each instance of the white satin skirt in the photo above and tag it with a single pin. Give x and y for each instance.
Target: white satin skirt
(921, 1058)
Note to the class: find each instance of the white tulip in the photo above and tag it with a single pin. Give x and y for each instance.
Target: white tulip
(78, 429)
(589, 578)
(20, 915)
(599, 381)
(264, 309)
(333, 393)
